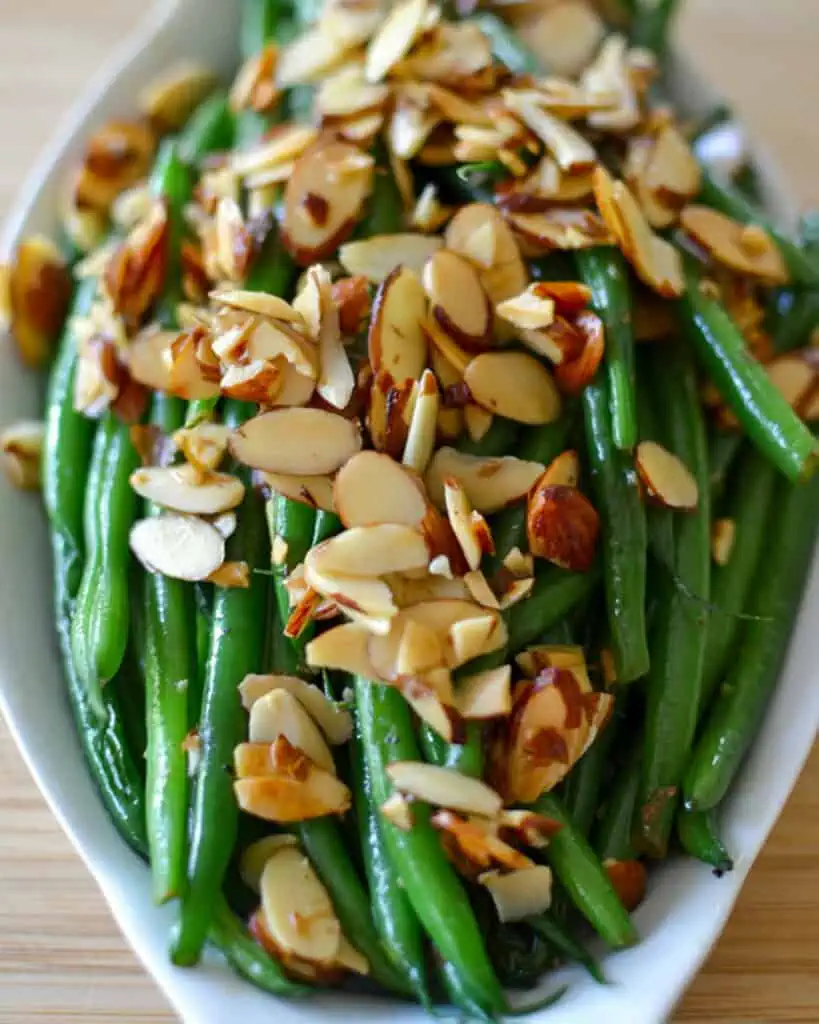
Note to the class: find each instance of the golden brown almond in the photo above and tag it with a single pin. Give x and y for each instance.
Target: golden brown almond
(396, 342)
(629, 879)
(723, 535)
(21, 446)
(519, 894)
(335, 722)
(39, 288)
(428, 706)
(396, 809)
(562, 526)
(173, 488)
(297, 441)
(490, 483)
(469, 527)
(514, 385)
(473, 637)
(573, 375)
(181, 547)
(135, 273)
(665, 476)
(117, 156)
(562, 471)
(377, 258)
(345, 648)
(335, 381)
(729, 242)
(389, 412)
(444, 787)
(258, 382)
(370, 551)
(420, 649)
(279, 713)
(231, 575)
(371, 488)
(486, 694)
(459, 305)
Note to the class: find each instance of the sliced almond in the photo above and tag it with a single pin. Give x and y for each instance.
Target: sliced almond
(345, 648)
(471, 638)
(516, 591)
(665, 476)
(39, 288)
(533, 660)
(610, 75)
(258, 854)
(723, 535)
(480, 591)
(490, 483)
(743, 249)
(377, 257)
(255, 382)
(514, 385)
(420, 649)
(428, 706)
(395, 38)
(527, 310)
(260, 303)
(396, 809)
(170, 99)
(563, 36)
(21, 449)
(429, 214)
(444, 787)
(230, 575)
(397, 343)
(672, 169)
(562, 526)
(323, 200)
(174, 489)
(371, 551)
(310, 56)
(573, 375)
(571, 151)
(181, 547)
(297, 908)
(371, 488)
(204, 445)
(278, 783)
(459, 305)
(562, 227)
(336, 381)
(335, 722)
(519, 894)
(316, 491)
(421, 434)
(297, 441)
(146, 360)
(365, 600)
(279, 713)
(485, 695)
(472, 533)
(518, 563)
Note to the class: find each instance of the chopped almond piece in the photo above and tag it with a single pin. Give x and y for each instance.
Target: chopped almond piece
(451, 353)
(470, 638)
(352, 297)
(170, 99)
(428, 706)
(371, 551)
(490, 483)
(563, 471)
(21, 446)
(519, 894)
(279, 713)
(204, 445)
(514, 385)
(256, 382)
(459, 512)
(231, 575)
(396, 809)
(527, 310)
(723, 534)
(298, 441)
(744, 250)
(182, 547)
(485, 695)
(396, 342)
(377, 258)
(459, 305)
(39, 288)
(533, 660)
(665, 476)
(444, 787)
(389, 413)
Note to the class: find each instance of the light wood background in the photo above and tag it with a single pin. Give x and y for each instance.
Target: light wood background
(61, 957)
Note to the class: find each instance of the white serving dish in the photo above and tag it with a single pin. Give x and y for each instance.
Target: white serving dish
(686, 906)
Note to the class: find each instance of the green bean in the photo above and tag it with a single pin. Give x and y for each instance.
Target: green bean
(99, 632)
(235, 650)
(500, 439)
(430, 883)
(678, 644)
(743, 383)
(774, 601)
(804, 268)
(624, 539)
(605, 272)
(723, 448)
(698, 835)
(583, 877)
(796, 318)
(613, 838)
(565, 943)
(327, 525)
(210, 128)
(753, 485)
(293, 523)
(651, 24)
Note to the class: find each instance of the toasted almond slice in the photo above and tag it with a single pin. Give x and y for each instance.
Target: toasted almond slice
(519, 564)
(571, 151)
(309, 57)
(514, 385)
(38, 289)
(534, 659)
(172, 488)
(743, 249)
(485, 695)
(723, 535)
(297, 908)
(316, 491)
(420, 649)
(204, 445)
(345, 648)
(519, 894)
(335, 722)
(295, 389)
(421, 435)
(282, 798)
(371, 489)
(255, 382)
(323, 199)
(563, 36)
(145, 358)
(470, 638)
(666, 477)
(396, 342)
(480, 590)
(562, 471)
(562, 526)
(444, 787)
(516, 591)
(562, 227)
(610, 75)
(371, 551)
(395, 38)
(258, 854)
(794, 376)
(278, 713)
(377, 257)
(269, 341)
(260, 303)
(490, 483)
(21, 448)
(182, 547)
(459, 305)
(396, 809)
(528, 310)
(672, 169)
(308, 442)
(169, 100)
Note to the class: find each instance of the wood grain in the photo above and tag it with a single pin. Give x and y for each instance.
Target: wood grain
(61, 957)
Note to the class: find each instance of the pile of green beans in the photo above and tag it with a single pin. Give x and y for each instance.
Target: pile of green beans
(691, 645)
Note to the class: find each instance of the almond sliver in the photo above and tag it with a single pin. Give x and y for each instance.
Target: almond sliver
(395, 38)
(371, 489)
(665, 476)
(421, 435)
(490, 483)
(371, 551)
(514, 385)
(444, 787)
(519, 894)
(173, 489)
(181, 547)
(485, 695)
(308, 442)
(377, 257)
(279, 713)
(335, 722)
(345, 648)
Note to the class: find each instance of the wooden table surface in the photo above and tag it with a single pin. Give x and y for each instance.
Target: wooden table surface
(61, 957)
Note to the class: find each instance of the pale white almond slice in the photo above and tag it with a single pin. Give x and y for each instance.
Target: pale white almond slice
(21, 451)
(297, 908)
(666, 477)
(172, 488)
(323, 200)
(514, 385)
(282, 798)
(371, 551)
(528, 310)
(254, 858)
(609, 75)
(410, 126)
(745, 249)
(204, 445)
(444, 787)
(440, 566)
(420, 649)
(423, 422)
(371, 488)
(459, 305)
(335, 722)
(257, 302)
(146, 358)
(377, 257)
(563, 35)
(287, 141)
(346, 94)
(308, 442)
(182, 547)
(490, 483)
(279, 713)
(295, 389)
(723, 535)
(486, 694)
(316, 491)
(397, 343)
(309, 57)
(480, 590)
(470, 638)
(395, 38)
(345, 648)
(519, 894)
(571, 151)
(396, 809)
